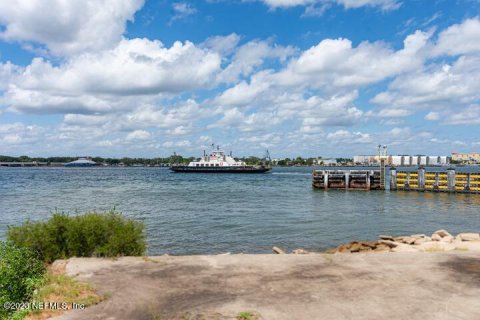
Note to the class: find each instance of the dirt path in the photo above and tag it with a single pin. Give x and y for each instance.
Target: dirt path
(440, 286)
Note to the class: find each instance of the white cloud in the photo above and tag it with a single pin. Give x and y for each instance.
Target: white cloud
(7, 72)
(432, 116)
(468, 116)
(335, 63)
(437, 86)
(67, 27)
(252, 55)
(102, 82)
(347, 4)
(14, 135)
(182, 10)
(223, 45)
(382, 4)
(138, 135)
(460, 38)
(345, 136)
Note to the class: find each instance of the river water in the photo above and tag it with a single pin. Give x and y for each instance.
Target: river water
(217, 213)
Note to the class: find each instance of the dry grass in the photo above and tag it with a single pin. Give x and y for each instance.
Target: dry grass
(61, 288)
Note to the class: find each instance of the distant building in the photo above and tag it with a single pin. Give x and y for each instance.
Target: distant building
(466, 158)
(403, 160)
(325, 162)
(82, 162)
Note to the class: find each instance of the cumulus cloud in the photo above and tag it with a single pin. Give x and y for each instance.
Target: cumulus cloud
(460, 38)
(93, 82)
(67, 27)
(436, 86)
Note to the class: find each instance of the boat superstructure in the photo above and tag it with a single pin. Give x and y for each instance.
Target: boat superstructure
(219, 162)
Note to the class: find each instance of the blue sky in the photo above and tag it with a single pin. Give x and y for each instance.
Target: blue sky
(299, 77)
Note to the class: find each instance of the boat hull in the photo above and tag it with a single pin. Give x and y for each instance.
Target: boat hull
(187, 169)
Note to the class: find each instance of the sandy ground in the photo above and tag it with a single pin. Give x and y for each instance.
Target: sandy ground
(407, 285)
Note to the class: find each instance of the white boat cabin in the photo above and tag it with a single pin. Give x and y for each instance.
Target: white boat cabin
(217, 158)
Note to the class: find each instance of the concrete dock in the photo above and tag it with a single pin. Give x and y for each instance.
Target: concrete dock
(407, 285)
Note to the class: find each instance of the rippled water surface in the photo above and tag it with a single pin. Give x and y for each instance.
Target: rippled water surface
(208, 213)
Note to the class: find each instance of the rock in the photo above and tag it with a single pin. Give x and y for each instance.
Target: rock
(398, 239)
(382, 248)
(436, 237)
(448, 239)
(404, 248)
(277, 250)
(442, 233)
(409, 240)
(344, 248)
(385, 237)
(355, 247)
(420, 241)
(300, 251)
(469, 236)
(418, 236)
(391, 244)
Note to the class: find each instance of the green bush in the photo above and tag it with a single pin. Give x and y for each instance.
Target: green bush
(20, 274)
(89, 235)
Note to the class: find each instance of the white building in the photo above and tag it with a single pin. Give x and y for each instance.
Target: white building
(403, 160)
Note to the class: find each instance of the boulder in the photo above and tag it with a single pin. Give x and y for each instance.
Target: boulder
(420, 241)
(448, 239)
(442, 233)
(436, 237)
(355, 247)
(382, 248)
(418, 236)
(409, 240)
(469, 236)
(277, 250)
(385, 237)
(390, 244)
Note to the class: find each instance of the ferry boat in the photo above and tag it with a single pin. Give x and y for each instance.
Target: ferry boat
(219, 162)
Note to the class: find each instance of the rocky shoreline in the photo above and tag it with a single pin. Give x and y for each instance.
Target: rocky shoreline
(440, 240)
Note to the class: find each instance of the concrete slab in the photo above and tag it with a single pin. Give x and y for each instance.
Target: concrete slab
(410, 285)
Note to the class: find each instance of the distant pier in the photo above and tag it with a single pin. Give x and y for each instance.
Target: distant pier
(450, 180)
(347, 179)
(30, 164)
(422, 180)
